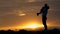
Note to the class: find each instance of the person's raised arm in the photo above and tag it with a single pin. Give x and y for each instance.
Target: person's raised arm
(40, 11)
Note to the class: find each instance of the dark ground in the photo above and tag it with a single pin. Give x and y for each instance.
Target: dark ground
(54, 31)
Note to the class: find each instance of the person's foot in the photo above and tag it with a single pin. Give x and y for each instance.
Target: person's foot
(45, 29)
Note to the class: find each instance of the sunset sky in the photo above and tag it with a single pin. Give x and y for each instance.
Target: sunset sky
(21, 13)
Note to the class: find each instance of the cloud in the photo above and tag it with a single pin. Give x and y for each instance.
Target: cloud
(22, 14)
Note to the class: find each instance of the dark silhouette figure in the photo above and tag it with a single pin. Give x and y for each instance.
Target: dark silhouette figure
(44, 11)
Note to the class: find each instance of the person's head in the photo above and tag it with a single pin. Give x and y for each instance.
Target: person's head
(45, 4)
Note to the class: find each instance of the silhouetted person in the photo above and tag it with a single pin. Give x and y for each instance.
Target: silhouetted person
(44, 11)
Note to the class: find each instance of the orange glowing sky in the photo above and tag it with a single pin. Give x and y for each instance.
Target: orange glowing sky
(21, 14)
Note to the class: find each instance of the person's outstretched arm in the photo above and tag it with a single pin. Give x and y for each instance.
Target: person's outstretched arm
(40, 12)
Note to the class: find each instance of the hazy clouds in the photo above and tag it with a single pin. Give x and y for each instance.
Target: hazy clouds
(11, 11)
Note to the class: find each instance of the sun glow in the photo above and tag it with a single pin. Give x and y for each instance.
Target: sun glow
(32, 25)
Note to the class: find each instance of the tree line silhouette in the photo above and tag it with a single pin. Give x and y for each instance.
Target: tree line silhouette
(53, 31)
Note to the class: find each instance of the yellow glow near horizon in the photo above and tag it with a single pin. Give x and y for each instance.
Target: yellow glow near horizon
(27, 26)
(32, 25)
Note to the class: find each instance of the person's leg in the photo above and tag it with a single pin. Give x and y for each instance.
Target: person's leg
(44, 22)
(45, 26)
